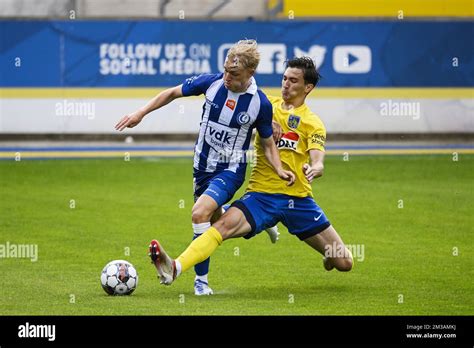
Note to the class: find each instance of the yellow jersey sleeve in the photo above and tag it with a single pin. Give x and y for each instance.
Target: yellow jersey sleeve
(316, 134)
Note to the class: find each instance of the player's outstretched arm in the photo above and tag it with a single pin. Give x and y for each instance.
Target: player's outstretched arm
(316, 169)
(271, 153)
(163, 98)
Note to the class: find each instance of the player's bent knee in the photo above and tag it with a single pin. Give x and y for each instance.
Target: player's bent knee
(228, 225)
(343, 264)
(200, 215)
(224, 228)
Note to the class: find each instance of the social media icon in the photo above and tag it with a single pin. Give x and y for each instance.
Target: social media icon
(272, 58)
(352, 59)
(315, 52)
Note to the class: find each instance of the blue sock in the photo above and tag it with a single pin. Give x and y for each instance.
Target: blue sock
(202, 268)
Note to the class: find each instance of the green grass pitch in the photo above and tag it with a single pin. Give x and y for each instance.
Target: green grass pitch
(412, 214)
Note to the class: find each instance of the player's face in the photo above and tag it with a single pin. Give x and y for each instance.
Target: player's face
(293, 85)
(236, 78)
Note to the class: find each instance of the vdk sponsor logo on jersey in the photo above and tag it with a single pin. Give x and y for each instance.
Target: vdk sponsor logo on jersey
(220, 136)
(223, 136)
(288, 141)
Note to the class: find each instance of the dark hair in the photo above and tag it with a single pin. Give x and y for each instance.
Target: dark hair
(310, 73)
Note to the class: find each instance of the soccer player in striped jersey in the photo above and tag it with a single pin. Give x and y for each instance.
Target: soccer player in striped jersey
(267, 202)
(234, 106)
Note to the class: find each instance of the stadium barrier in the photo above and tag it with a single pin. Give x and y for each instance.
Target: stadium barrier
(61, 77)
(399, 9)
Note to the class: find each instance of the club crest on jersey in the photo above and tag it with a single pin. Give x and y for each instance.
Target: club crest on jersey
(288, 141)
(230, 103)
(293, 121)
(243, 118)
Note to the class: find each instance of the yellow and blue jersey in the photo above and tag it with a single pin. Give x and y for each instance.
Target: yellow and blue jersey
(302, 131)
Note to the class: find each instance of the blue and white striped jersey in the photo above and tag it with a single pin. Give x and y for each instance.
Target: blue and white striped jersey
(227, 122)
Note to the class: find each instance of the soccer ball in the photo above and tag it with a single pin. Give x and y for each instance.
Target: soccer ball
(119, 277)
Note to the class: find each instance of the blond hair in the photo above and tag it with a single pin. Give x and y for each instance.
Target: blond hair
(245, 54)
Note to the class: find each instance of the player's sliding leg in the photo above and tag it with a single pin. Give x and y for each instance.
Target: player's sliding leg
(330, 245)
(202, 216)
(231, 225)
(271, 231)
(165, 265)
(305, 219)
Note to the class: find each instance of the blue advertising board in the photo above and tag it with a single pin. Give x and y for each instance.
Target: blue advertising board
(164, 53)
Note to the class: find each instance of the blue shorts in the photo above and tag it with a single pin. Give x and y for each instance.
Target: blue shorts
(302, 216)
(221, 186)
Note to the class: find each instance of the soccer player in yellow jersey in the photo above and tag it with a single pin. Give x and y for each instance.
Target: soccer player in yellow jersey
(269, 200)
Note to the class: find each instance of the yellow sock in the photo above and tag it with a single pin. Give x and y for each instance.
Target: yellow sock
(200, 249)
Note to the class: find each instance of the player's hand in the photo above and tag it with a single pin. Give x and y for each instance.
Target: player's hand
(277, 131)
(312, 172)
(129, 121)
(287, 175)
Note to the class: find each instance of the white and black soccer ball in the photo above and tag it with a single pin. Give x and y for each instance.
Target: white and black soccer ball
(119, 277)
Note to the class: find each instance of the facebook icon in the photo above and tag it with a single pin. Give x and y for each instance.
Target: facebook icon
(272, 58)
